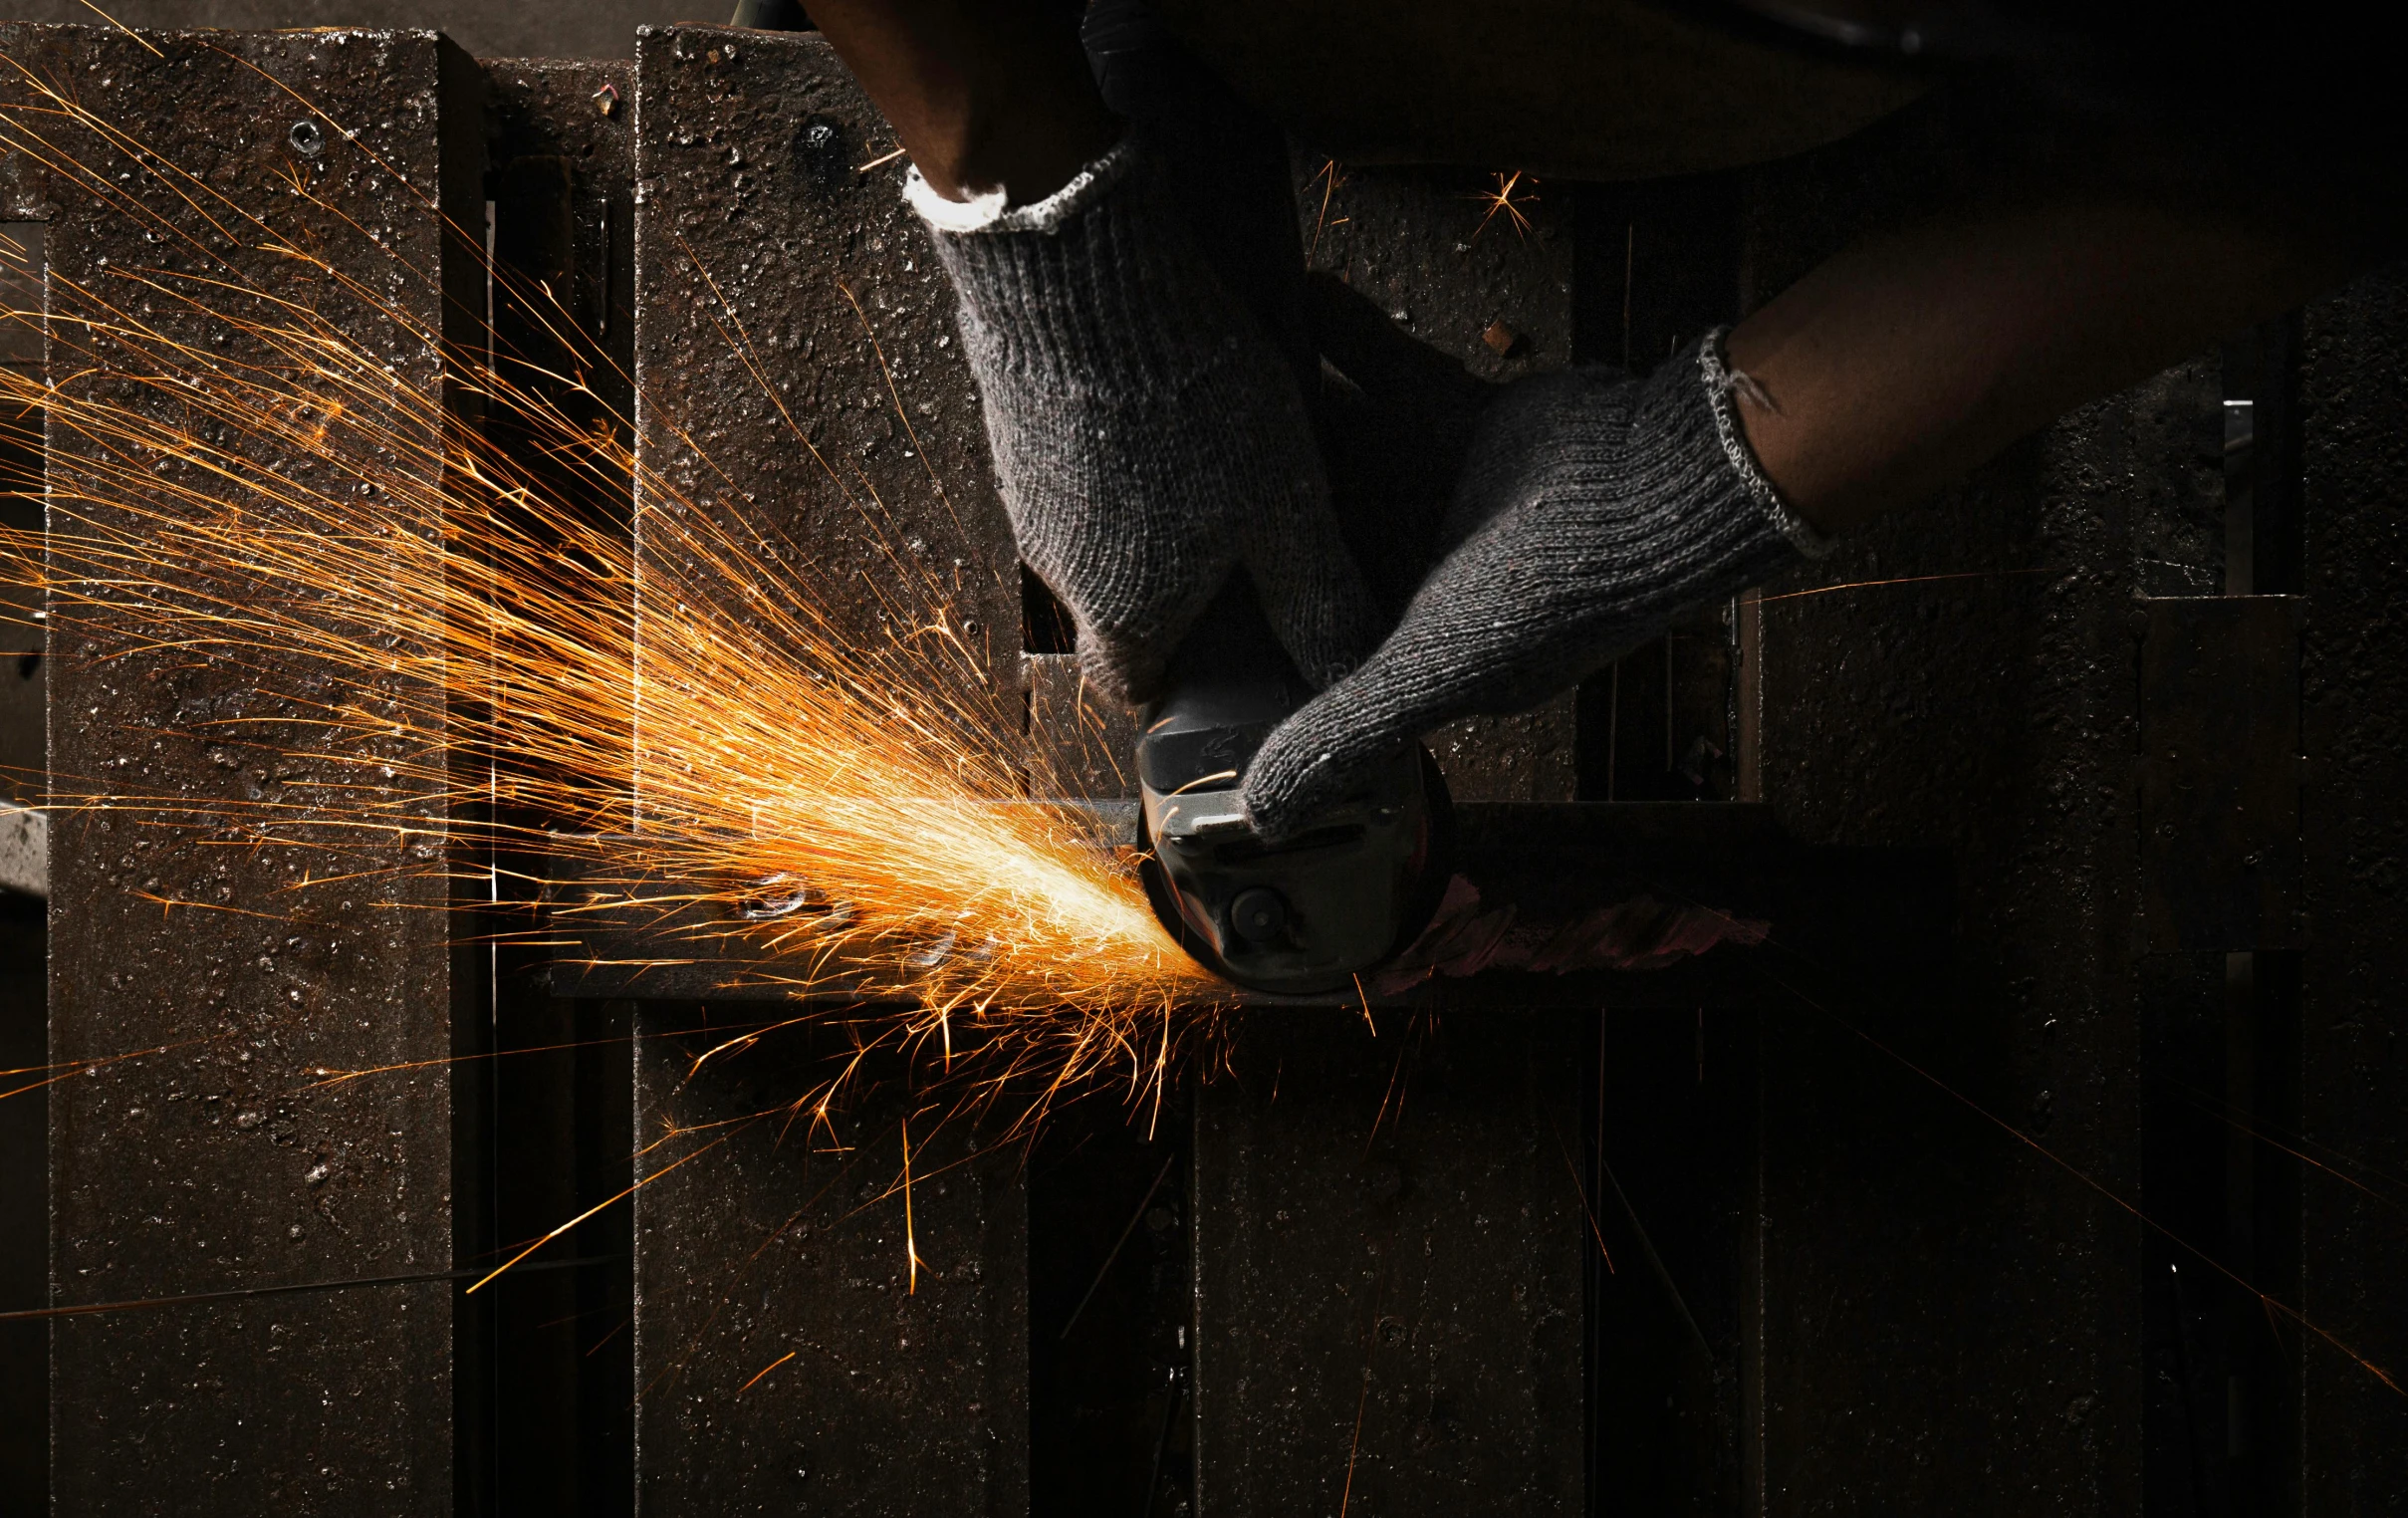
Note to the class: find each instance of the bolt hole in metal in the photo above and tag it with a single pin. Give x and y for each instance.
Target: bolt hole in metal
(307, 140)
(1260, 914)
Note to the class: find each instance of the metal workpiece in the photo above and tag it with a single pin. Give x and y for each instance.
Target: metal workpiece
(826, 1320)
(1388, 1235)
(222, 1162)
(2352, 1084)
(1565, 904)
(778, 275)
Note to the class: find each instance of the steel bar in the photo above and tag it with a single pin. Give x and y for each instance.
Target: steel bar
(217, 1165)
(1564, 905)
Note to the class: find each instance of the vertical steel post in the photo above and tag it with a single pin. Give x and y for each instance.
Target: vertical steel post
(783, 1354)
(561, 186)
(216, 1166)
(1389, 1236)
(2352, 1080)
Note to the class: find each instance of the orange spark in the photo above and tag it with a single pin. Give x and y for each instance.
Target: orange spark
(911, 1248)
(1502, 201)
(765, 1370)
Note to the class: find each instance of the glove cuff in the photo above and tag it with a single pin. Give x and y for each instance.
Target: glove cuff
(1098, 291)
(987, 212)
(1724, 384)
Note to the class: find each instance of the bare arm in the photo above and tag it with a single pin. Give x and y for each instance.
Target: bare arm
(1911, 359)
(983, 95)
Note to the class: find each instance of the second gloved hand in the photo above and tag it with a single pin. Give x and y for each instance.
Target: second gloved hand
(1592, 508)
(1148, 436)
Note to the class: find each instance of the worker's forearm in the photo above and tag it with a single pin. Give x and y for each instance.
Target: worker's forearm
(983, 95)
(1905, 362)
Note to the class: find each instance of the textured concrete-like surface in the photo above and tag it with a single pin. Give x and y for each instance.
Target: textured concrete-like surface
(784, 1252)
(529, 29)
(214, 1165)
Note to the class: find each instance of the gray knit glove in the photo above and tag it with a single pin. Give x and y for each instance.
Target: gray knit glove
(1148, 436)
(1592, 507)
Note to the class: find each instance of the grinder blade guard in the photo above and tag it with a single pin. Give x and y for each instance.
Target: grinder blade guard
(1307, 914)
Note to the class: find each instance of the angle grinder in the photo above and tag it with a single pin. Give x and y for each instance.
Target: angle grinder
(1306, 915)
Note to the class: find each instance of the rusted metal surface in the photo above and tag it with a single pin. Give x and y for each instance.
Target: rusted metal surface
(2353, 1073)
(763, 239)
(2218, 772)
(778, 276)
(1388, 1235)
(216, 1166)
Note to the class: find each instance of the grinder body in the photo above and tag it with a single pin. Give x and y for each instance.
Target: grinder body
(1306, 915)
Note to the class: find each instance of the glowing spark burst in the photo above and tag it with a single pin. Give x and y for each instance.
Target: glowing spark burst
(1503, 201)
(476, 624)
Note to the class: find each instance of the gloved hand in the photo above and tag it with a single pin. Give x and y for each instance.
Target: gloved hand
(1592, 507)
(1148, 436)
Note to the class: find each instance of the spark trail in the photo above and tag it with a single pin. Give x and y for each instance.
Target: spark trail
(474, 627)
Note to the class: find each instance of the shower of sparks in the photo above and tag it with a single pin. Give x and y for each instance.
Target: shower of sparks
(448, 632)
(1503, 201)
